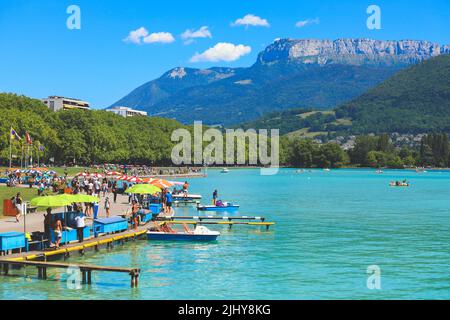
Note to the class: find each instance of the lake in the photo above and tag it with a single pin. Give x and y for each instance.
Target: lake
(330, 227)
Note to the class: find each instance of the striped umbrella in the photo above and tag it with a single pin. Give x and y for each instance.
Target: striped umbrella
(161, 183)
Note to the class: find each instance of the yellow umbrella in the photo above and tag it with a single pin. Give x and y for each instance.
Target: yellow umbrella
(143, 189)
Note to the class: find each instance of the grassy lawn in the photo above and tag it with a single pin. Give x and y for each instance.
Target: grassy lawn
(7, 193)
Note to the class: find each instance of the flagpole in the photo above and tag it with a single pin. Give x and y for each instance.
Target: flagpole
(10, 149)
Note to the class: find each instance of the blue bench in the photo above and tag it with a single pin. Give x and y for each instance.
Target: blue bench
(70, 235)
(13, 241)
(110, 225)
(155, 207)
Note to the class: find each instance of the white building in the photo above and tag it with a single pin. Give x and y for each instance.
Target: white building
(127, 112)
(56, 103)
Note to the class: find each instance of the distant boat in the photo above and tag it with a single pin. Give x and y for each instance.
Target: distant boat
(400, 184)
(379, 171)
(326, 169)
(200, 233)
(224, 170)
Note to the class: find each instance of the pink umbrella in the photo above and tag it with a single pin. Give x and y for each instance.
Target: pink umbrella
(82, 174)
(113, 173)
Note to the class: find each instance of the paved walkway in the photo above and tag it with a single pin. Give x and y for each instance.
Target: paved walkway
(35, 221)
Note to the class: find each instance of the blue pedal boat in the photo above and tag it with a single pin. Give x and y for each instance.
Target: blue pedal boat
(200, 234)
(226, 207)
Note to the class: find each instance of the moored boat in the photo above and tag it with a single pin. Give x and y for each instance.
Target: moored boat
(226, 206)
(200, 233)
(224, 170)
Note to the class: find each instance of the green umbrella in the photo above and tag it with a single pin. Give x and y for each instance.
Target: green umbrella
(75, 198)
(50, 202)
(143, 189)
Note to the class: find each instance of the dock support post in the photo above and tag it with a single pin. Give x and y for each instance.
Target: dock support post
(89, 277)
(44, 273)
(39, 272)
(134, 279)
(83, 277)
(5, 269)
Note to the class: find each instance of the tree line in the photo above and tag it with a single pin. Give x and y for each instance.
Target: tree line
(95, 137)
(369, 151)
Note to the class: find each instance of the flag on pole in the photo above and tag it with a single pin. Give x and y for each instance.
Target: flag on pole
(14, 135)
(28, 138)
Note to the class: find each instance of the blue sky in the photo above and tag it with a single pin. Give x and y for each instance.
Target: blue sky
(40, 56)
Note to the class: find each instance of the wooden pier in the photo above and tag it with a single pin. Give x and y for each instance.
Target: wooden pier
(230, 224)
(86, 270)
(224, 218)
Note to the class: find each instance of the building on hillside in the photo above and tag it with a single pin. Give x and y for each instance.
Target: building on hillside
(56, 103)
(126, 112)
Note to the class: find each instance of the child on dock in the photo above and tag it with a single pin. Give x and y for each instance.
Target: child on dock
(107, 206)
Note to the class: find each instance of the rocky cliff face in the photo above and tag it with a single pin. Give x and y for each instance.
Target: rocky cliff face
(350, 51)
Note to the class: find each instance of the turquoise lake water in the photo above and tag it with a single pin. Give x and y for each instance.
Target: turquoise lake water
(330, 226)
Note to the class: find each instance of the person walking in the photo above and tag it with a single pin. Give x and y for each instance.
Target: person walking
(114, 191)
(19, 208)
(107, 207)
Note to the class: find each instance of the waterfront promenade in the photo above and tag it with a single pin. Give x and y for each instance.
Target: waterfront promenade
(35, 221)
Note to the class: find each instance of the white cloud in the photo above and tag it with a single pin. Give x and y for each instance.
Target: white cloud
(159, 37)
(189, 35)
(142, 35)
(222, 51)
(136, 35)
(306, 22)
(251, 20)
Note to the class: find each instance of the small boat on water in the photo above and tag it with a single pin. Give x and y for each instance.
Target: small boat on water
(200, 233)
(224, 206)
(326, 169)
(379, 171)
(224, 170)
(399, 184)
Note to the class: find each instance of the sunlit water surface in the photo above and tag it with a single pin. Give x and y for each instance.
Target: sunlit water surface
(330, 226)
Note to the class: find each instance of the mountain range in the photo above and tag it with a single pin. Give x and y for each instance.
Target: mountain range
(289, 73)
